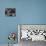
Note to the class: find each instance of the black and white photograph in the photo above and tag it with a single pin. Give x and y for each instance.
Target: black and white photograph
(10, 11)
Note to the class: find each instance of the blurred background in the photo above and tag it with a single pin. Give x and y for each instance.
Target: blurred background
(27, 12)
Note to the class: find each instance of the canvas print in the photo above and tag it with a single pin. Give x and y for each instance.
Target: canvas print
(10, 11)
(31, 33)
